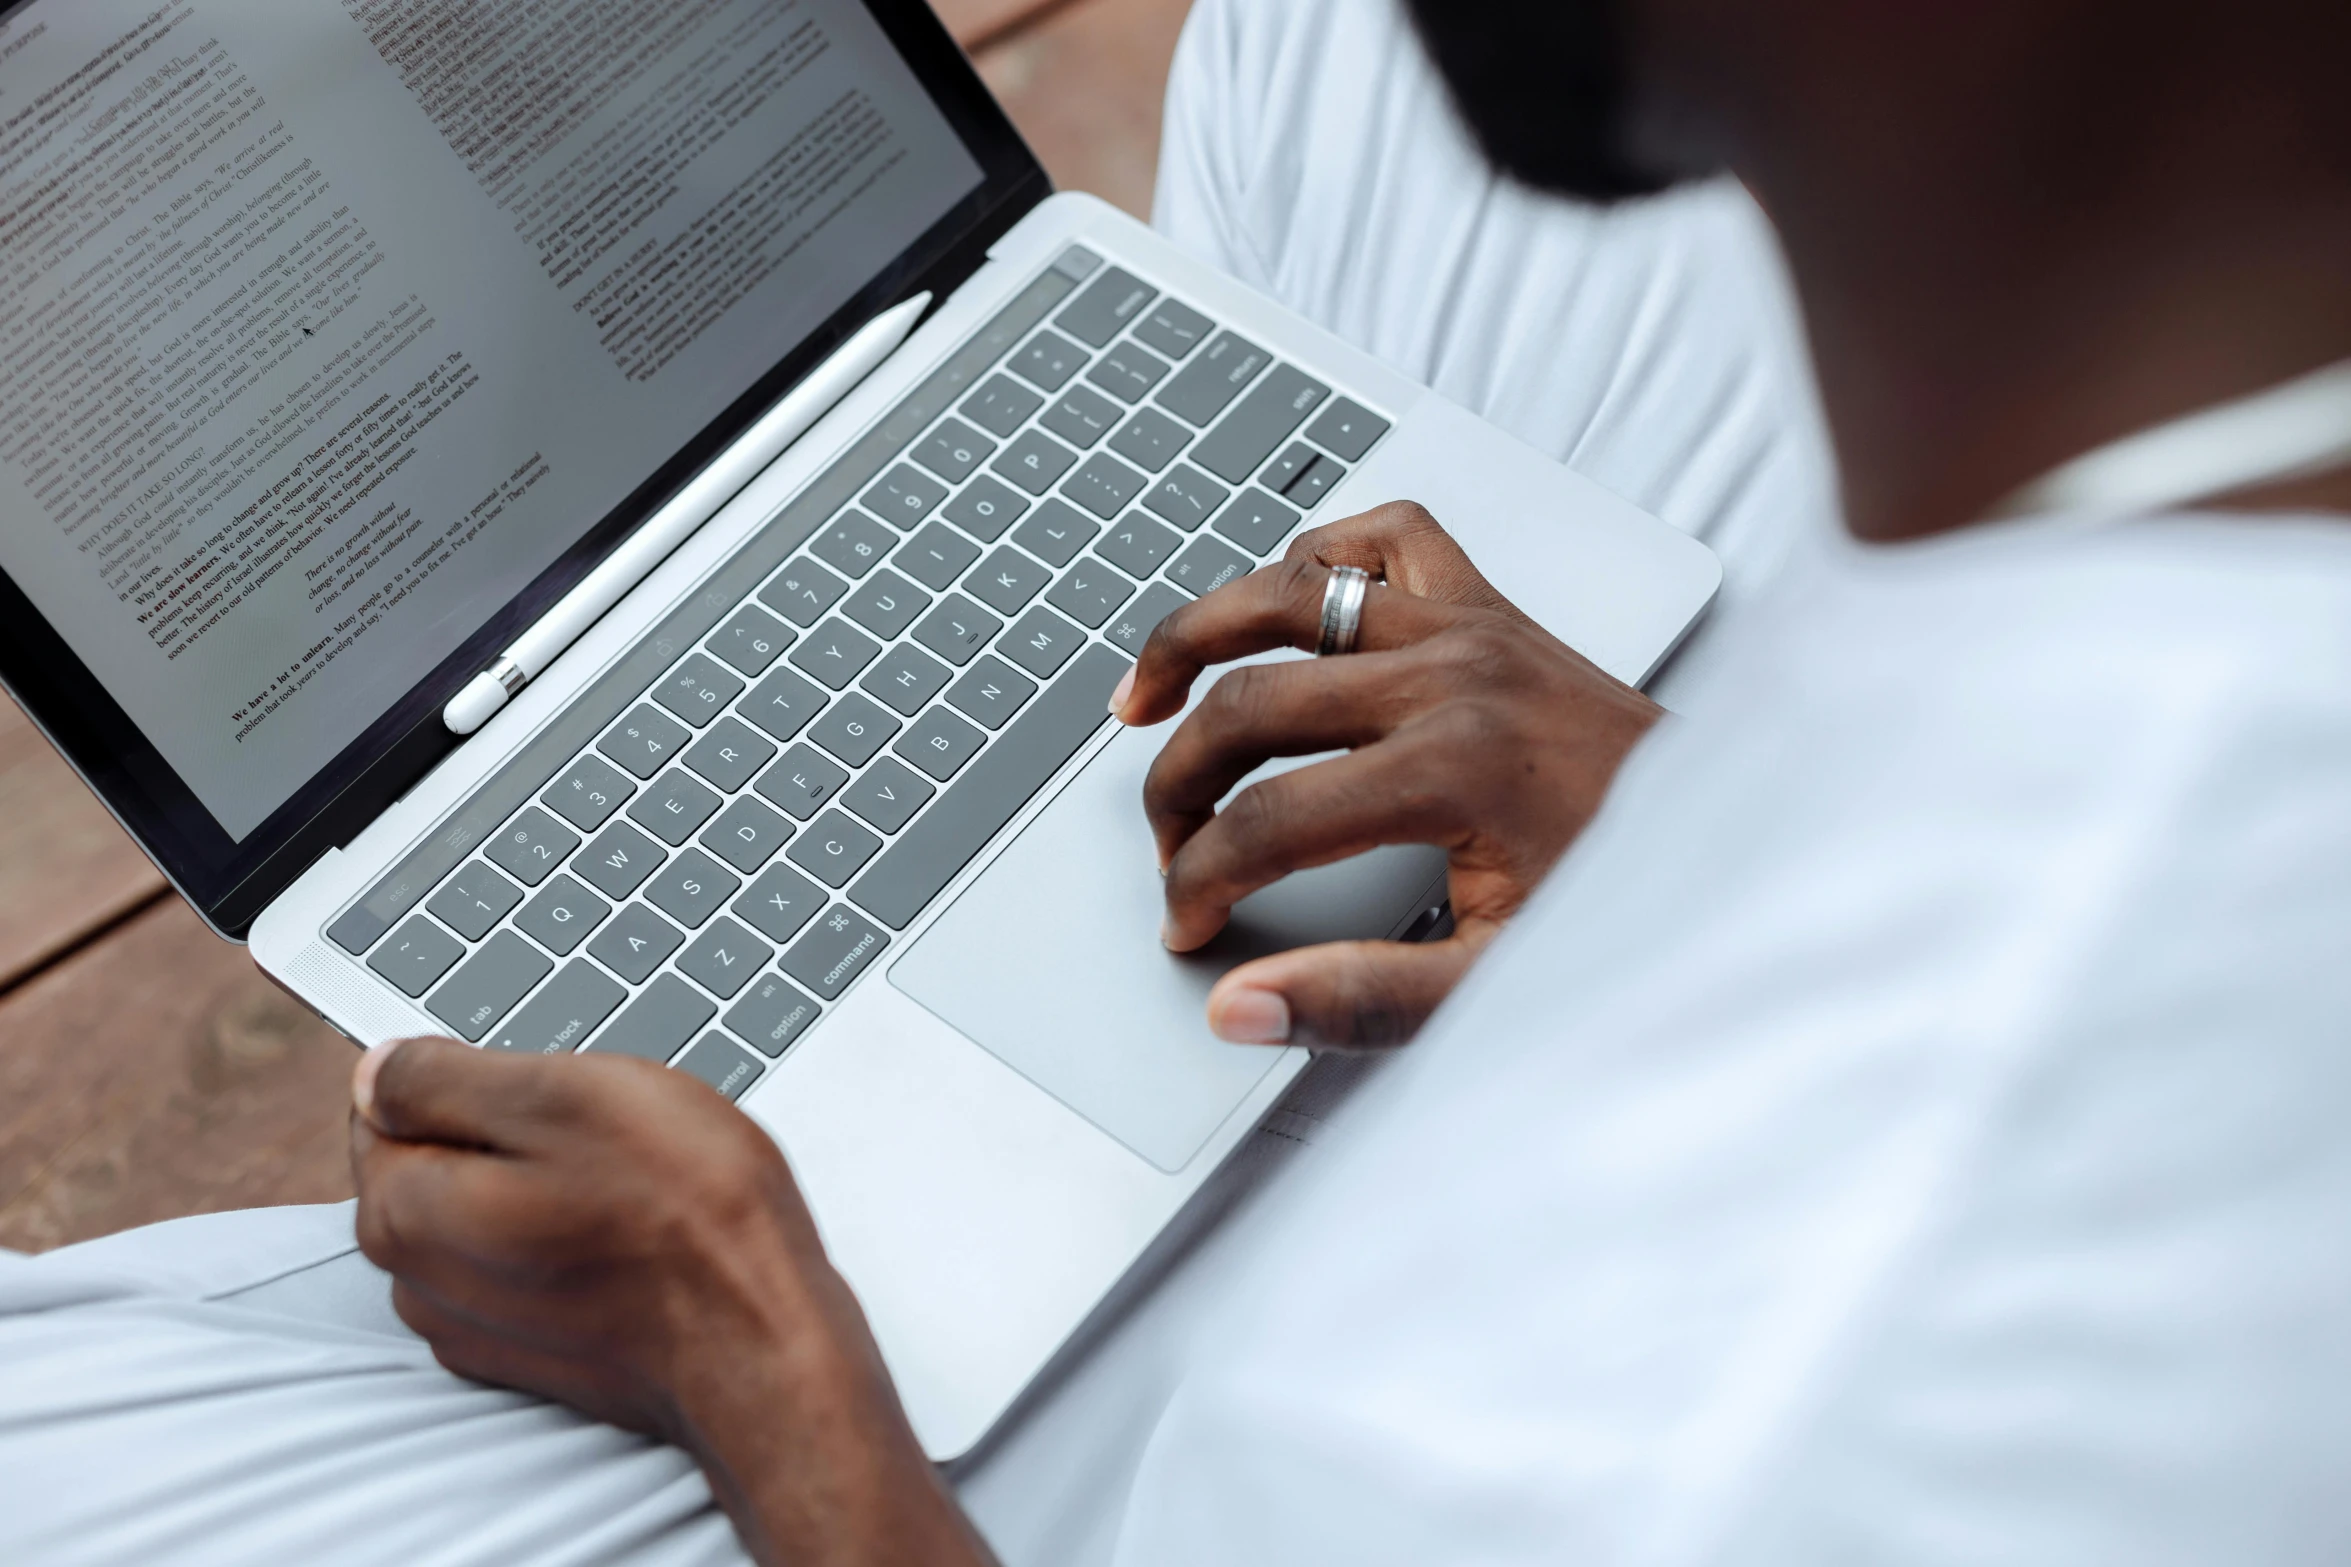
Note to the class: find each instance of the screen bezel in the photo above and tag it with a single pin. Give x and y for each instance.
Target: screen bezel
(229, 882)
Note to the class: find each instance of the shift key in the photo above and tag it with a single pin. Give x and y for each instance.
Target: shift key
(487, 985)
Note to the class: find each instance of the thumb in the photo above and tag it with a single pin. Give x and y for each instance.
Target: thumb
(439, 1091)
(1359, 995)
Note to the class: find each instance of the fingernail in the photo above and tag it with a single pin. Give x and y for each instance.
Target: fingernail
(1251, 1017)
(363, 1078)
(1126, 688)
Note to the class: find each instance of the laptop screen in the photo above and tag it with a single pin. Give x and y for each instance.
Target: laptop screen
(331, 328)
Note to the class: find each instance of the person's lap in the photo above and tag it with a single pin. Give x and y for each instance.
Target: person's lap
(236, 1388)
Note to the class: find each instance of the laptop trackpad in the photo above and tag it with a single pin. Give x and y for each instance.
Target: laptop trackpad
(1052, 960)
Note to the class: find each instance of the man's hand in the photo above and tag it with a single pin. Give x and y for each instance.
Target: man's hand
(615, 1236)
(1468, 727)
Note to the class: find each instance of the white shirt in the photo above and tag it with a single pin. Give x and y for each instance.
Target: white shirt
(1913, 1125)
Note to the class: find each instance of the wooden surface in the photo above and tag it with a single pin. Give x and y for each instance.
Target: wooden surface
(147, 1069)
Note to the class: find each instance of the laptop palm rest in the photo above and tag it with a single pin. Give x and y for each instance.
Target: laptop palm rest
(1051, 960)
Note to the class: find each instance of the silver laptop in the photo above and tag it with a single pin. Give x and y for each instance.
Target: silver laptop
(612, 528)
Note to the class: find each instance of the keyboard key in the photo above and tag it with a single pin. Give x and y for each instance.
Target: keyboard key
(954, 451)
(1247, 436)
(1307, 491)
(904, 497)
(1056, 533)
(1107, 305)
(779, 903)
(1208, 565)
(802, 592)
(658, 1023)
(1035, 461)
(1150, 440)
(1001, 407)
(474, 901)
(698, 690)
(887, 605)
(587, 794)
(772, 1013)
(731, 755)
(1128, 372)
(1132, 626)
(1186, 497)
(1082, 417)
(1041, 643)
(675, 808)
(854, 730)
(560, 917)
(1104, 486)
(940, 743)
(904, 880)
(854, 544)
(1174, 329)
(487, 985)
(906, 679)
(992, 691)
(1088, 592)
(746, 835)
(1048, 362)
(725, 958)
(841, 947)
(620, 859)
(1206, 387)
(635, 943)
(1138, 546)
(1286, 469)
(834, 848)
(415, 956)
(1007, 580)
(723, 1064)
(957, 629)
(560, 1018)
(887, 796)
(985, 509)
(531, 846)
(693, 888)
(783, 703)
(936, 556)
(801, 782)
(835, 653)
(644, 741)
(1256, 521)
(1347, 428)
(751, 640)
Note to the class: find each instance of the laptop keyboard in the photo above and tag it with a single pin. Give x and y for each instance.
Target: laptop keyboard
(727, 830)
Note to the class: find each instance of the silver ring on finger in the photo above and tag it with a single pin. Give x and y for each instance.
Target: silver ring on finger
(1342, 610)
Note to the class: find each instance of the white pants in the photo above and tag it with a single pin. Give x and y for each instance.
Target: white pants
(236, 1388)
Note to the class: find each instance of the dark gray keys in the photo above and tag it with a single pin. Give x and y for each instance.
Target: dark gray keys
(1285, 470)
(1048, 362)
(803, 591)
(887, 796)
(1088, 592)
(532, 845)
(725, 958)
(954, 451)
(1247, 436)
(1308, 489)
(1056, 533)
(474, 901)
(588, 793)
(1174, 329)
(731, 755)
(991, 791)
(985, 509)
(906, 679)
(693, 888)
(853, 544)
(644, 741)
(487, 985)
(1150, 440)
(802, 781)
(1138, 546)
(904, 497)
(1006, 581)
(854, 730)
(1208, 564)
(779, 903)
(560, 1018)
(1206, 387)
(1082, 417)
(1256, 521)
(561, 915)
(841, 946)
(746, 835)
(751, 640)
(1035, 461)
(415, 956)
(835, 653)
(887, 605)
(723, 1064)
(620, 859)
(783, 703)
(992, 691)
(1108, 304)
(675, 808)
(957, 629)
(1001, 407)
(771, 1014)
(1128, 372)
(698, 690)
(635, 943)
(1132, 626)
(1041, 642)
(1104, 486)
(940, 743)
(936, 556)
(1186, 497)
(1347, 428)
(658, 1023)
(833, 849)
